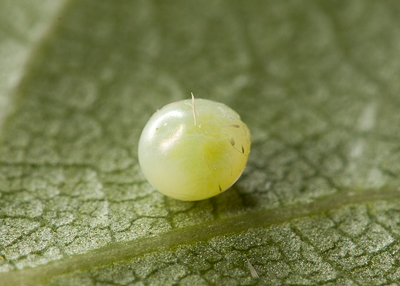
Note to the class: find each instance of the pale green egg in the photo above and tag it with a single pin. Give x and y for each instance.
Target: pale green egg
(196, 153)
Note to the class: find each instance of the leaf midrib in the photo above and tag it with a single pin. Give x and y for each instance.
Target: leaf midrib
(190, 235)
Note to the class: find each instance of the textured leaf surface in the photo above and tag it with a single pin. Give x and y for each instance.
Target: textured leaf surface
(317, 84)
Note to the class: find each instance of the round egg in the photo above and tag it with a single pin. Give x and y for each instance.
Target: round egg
(194, 149)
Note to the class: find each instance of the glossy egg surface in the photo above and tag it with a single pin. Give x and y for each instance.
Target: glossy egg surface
(189, 158)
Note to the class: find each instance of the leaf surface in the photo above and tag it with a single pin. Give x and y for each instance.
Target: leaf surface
(317, 84)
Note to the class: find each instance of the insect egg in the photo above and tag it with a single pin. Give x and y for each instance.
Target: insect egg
(194, 149)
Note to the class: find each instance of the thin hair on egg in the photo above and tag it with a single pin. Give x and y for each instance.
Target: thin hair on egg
(194, 109)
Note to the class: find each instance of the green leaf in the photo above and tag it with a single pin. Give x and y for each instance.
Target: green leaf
(315, 81)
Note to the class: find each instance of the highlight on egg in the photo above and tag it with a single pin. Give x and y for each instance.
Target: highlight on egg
(194, 149)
